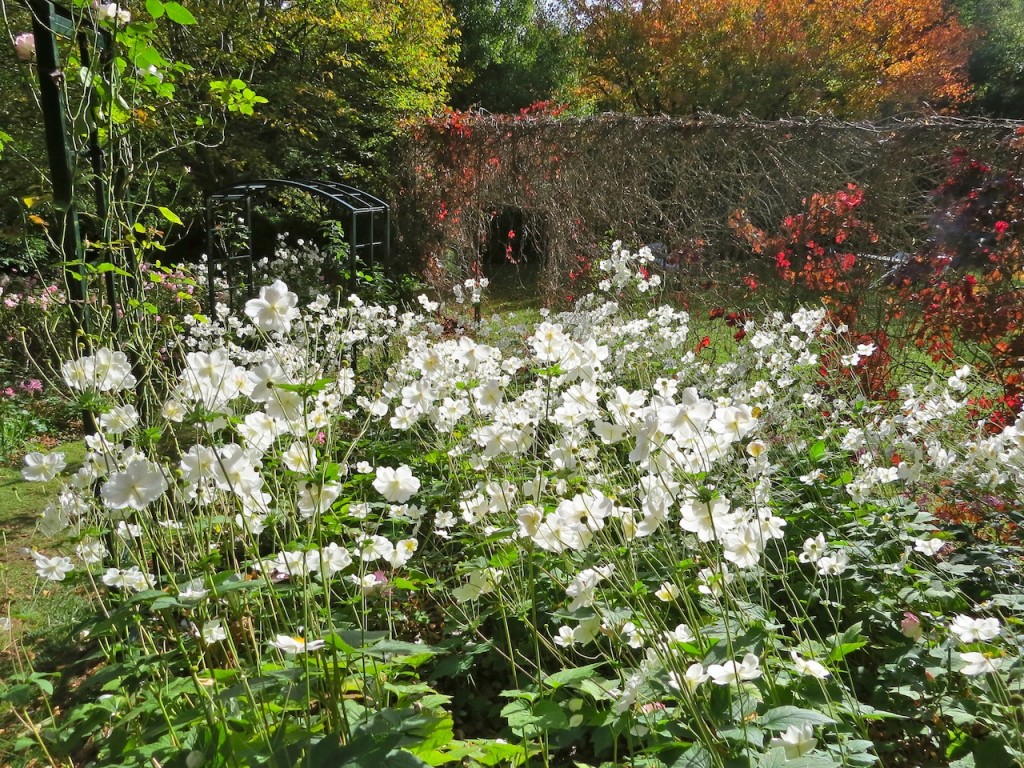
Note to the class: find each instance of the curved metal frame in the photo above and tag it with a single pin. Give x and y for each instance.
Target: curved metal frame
(354, 201)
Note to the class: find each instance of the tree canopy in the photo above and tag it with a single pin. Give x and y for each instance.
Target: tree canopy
(511, 53)
(773, 57)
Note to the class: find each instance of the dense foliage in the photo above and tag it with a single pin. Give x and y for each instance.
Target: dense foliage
(511, 54)
(996, 64)
(850, 59)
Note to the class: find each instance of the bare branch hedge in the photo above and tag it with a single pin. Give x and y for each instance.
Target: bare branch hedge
(565, 186)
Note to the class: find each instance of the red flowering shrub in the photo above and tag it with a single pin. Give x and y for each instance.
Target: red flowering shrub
(966, 285)
(818, 253)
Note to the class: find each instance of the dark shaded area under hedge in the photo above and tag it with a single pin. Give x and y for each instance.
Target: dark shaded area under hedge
(565, 186)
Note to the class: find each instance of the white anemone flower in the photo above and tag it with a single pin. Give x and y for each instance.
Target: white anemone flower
(317, 499)
(105, 371)
(689, 680)
(300, 457)
(118, 419)
(970, 630)
(274, 309)
(797, 740)
(334, 559)
(814, 549)
(295, 644)
(213, 632)
(132, 578)
(566, 637)
(42, 467)
(52, 568)
(193, 590)
(834, 564)
(91, 551)
(808, 666)
(978, 664)
(929, 547)
(402, 553)
(732, 673)
(667, 592)
(396, 485)
(141, 483)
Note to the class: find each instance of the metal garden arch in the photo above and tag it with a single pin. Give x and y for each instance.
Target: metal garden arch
(365, 218)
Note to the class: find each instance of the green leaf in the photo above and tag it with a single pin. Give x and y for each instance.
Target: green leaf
(812, 761)
(541, 716)
(780, 718)
(402, 648)
(849, 642)
(695, 757)
(108, 267)
(155, 8)
(179, 14)
(568, 676)
(168, 214)
(817, 451)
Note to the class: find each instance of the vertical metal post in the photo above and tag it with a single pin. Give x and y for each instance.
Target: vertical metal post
(387, 242)
(210, 262)
(98, 169)
(249, 287)
(353, 243)
(372, 261)
(62, 171)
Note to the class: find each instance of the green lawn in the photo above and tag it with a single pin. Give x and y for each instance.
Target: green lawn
(44, 614)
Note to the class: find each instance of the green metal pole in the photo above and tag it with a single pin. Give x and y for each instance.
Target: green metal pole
(62, 171)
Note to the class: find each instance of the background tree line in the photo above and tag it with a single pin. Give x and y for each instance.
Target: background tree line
(342, 77)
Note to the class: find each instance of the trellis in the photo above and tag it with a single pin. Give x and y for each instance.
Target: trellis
(366, 221)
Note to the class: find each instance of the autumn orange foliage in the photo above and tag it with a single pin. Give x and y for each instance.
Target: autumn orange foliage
(770, 58)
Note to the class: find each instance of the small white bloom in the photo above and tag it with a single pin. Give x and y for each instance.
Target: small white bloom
(731, 673)
(137, 487)
(566, 637)
(689, 680)
(667, 592)
(213, 632)
(91, 551)
(834, 564)
(274, 309)
(42, 467)
(396, 485)
(118, 420)
(930, 547)
(979, 664)
(814, 549)
(970, 630)
(809, 666)
(797, 740)
(295, 644)
(334, 559)
(193, 590)
(52, 568)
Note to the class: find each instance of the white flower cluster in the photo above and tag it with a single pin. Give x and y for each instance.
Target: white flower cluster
(624, 269)
(472, 289)
(591, 432)
(104, 371)
(112, 12)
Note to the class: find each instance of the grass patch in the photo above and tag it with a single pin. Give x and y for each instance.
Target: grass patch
(43, 614)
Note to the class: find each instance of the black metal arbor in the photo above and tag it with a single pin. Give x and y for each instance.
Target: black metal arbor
(366, 221)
